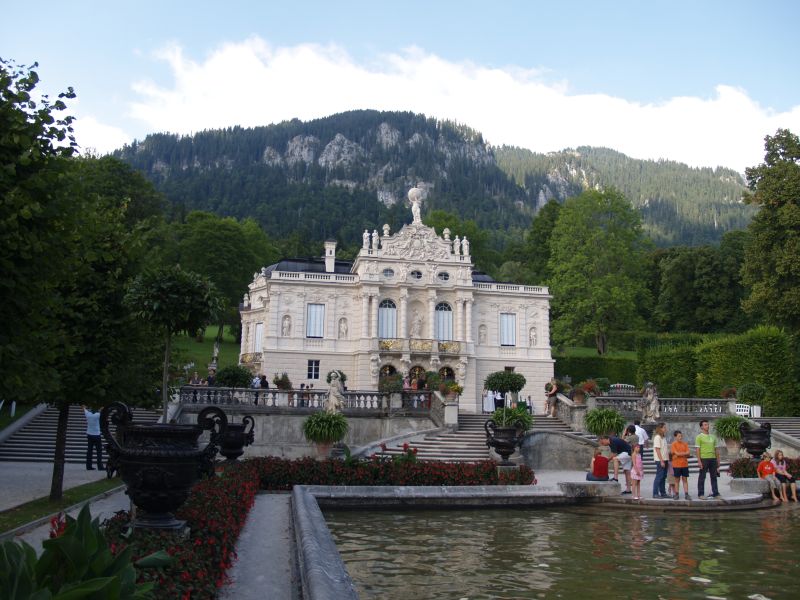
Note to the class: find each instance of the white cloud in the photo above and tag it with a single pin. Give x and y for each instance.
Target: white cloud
(253, 83)
(96, 137)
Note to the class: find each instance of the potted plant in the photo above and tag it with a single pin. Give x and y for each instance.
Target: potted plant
(604, 421)
(506, 429)
(324, 429)
(727, 428)
(450, 389)
(505, 381)
(282, 382)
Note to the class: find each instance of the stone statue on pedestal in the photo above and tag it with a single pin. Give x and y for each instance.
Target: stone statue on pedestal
(415, 197)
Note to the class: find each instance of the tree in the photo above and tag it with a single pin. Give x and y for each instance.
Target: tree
(598, 265)
(537, 243)
(772, 255)
(173, 301)
(36, 223)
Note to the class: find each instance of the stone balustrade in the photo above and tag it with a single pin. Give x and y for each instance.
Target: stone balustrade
(630, 406)
(355, 401)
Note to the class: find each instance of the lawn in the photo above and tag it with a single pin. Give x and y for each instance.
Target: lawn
(42, 507)
(5, 414)
(592, 352)
(189, 350)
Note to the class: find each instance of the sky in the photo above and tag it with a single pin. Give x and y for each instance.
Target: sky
(699, 82)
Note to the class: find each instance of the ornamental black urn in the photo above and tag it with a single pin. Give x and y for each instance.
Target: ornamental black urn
(160, 462)
(755, 440)
(236, 437)
(504, 440)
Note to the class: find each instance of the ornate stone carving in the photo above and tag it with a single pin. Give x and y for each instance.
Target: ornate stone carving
(390, 345)
(342, 328)
(420, 345)
(416, 242)
(286, 326)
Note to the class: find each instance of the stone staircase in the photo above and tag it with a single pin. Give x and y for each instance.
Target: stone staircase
(36, 441)
(468, 444)
(788, 425)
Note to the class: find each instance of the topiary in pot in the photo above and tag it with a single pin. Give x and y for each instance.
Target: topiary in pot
(727, 428)
(604, 421)
(517, 417)
(504, 381)
(324, 429)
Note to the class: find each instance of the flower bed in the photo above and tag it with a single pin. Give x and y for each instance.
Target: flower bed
(217, 509)
(282, 474)
(216, 512)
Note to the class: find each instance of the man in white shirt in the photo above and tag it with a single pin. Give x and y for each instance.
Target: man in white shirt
(641, 434)
(93, 439)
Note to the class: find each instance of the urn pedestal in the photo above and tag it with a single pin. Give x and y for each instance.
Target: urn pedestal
(756, 440)
(504, 440)
(160, 463)
(236, 437)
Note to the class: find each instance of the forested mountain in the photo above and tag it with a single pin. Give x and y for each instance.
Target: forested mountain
(679, 204)
(336, 176)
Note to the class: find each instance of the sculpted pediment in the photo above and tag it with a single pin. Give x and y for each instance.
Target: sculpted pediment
(416, 242)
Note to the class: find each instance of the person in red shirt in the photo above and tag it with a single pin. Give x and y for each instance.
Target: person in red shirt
(599, 467)
(766, 471)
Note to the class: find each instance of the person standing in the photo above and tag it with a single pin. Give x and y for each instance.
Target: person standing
(93, 439)
(641, 434)
(708, 459)
(661, 458)
(680, 464)
(637, 471)
(550, 397)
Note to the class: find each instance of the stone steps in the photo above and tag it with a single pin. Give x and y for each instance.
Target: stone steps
(36, 441)
(788, 425)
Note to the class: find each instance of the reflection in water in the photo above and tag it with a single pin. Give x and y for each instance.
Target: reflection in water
(568, 553)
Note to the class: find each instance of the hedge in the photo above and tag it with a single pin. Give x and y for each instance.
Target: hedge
(617, 340)
(580, 368)
(761, 355)
(672, 368)
(647, 342)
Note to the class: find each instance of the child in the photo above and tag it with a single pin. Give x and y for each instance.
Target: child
(766, 470)
(671, 481)
(599, 467)
(637, 472)
(680, 464)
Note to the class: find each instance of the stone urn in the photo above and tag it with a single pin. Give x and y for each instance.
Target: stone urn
(755, 440)
(236, 437)
(160, 463)
(504, 440)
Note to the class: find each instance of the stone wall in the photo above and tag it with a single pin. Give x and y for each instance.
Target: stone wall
(556, 450)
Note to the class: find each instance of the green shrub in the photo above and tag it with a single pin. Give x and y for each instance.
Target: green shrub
(282, 381)
(580, 368)
(752, 393)
(391, 383)
(727, 427)
(762, 355)
(743, 468)
(646, 342)
(234, 376)
(504, 381)
(673, 368)
(325, 428)
(604, 421)
(518, 417)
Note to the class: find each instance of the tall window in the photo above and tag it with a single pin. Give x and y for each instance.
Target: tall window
(313, 369)
(444, 322)
(387, 319)
(315, 320)
(259, 335)
(508, 329)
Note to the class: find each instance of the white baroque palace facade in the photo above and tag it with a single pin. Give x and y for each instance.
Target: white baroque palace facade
(409, 302)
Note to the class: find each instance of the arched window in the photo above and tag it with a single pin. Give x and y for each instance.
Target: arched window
(388, 370)
(444, 322)
(387, 320)
(446, 373)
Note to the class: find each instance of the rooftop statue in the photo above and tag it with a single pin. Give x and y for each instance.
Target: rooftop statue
(415, 197)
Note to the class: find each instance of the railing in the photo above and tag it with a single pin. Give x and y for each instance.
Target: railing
(317, 277)
(509, 287)
(418, 345)
(701, 407)
(355, 401)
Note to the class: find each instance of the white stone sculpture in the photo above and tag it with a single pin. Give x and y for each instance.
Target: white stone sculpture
(532, 337)
(415, 197)
(335, 400)
(342, 329)
(365, 240)
(651, 407)
(416, 326)
(286, 326)
(375, 239)
(456, 246)
(465, 246)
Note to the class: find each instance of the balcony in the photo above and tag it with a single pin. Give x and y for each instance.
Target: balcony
(417, 346)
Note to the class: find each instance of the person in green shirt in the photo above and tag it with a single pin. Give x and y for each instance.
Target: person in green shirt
(708, 459)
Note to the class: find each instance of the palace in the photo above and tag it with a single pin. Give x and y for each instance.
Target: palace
(410, 302)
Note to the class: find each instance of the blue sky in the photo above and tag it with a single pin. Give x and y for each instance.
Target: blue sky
(698, 82)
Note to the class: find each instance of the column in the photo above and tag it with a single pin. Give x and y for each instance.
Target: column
(431, 314)
(374, 315)
(458, 325)
(364, 315)
(469, 320)
(403, 325)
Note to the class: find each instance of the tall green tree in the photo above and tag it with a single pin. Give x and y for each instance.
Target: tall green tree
(36, 222)
(537, 243)
(173, 300)
(597, 261)
(772, 255)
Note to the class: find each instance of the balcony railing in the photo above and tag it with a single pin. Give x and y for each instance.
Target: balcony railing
(355, 401)
(702, 407)
(419, 346)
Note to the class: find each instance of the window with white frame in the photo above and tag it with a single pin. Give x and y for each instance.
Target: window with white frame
(259, 337)
(387, 319)
(508, 329)
(315, 320)
(313, 369)
(444, 321)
